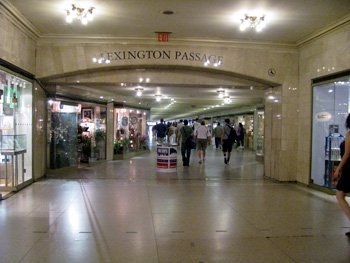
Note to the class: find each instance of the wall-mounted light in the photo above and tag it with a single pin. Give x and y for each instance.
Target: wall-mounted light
(101, 60)
(215, 64)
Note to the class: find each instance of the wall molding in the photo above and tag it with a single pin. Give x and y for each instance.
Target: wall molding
(341, 23)
(22, 23)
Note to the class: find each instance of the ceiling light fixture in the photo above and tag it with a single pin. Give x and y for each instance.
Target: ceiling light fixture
(80, 13)
(227, 99)
(139, 91)
(257, 22)
(158, 97)
(221, 93)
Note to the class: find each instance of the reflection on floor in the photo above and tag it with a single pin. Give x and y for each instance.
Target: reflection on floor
(124, 211)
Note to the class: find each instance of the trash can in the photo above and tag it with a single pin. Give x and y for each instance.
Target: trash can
(166, 159)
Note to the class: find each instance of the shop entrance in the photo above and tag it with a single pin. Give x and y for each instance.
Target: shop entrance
(77, 133)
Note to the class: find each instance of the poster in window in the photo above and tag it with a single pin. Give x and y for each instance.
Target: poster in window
(87, 114)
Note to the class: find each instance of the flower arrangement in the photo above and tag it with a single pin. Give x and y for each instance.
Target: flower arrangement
(121, 145)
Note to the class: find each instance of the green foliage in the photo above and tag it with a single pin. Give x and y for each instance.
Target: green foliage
(100, 135)
(121, 145)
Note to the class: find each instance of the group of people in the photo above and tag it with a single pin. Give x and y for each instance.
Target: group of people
(226, 135)
(198, 137)
(239, 141)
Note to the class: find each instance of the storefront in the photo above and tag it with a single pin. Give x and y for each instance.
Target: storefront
(77, 133)
(130, 130)
(16, 129)
(330, 109)
(259, 126)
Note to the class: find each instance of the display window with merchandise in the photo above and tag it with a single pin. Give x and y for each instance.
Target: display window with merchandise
(16, 100)
(77, 133)
(130, 131)
(330, 109)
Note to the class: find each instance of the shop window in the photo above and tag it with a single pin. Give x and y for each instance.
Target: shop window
(15, 131)
(77, 133)
(130, 130)
(330, 109)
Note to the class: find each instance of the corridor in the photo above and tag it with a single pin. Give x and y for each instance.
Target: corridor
(124, 211)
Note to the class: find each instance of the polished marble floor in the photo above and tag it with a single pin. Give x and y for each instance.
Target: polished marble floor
(124, 211)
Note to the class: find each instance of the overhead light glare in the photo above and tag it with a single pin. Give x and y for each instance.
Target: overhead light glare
(139, 91)
(255, 22)
(83, 14)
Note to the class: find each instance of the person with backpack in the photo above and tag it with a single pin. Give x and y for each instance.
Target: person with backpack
(227, 139)
(186, 143)
(161, 130)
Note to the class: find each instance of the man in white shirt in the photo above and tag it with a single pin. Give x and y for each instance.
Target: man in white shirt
(196, 124)
(203, 136)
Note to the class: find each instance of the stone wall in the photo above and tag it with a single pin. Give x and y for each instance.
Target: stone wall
(17, 42)
(326, 55)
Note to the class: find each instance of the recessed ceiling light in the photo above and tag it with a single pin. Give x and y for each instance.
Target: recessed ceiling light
(101, 97)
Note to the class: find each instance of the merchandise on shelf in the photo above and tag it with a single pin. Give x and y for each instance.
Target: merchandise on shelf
(332, 156)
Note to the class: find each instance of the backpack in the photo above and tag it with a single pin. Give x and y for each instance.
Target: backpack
(232, 135)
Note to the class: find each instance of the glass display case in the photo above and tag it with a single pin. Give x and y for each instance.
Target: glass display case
(16, 115)
(13, 143)
(330, 109)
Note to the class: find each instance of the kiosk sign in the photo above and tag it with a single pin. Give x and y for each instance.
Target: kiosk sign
(166, 159)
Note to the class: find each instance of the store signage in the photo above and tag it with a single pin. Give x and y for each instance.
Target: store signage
(161, 55)
(323, 116)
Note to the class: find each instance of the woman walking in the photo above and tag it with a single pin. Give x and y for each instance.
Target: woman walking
(342, 174)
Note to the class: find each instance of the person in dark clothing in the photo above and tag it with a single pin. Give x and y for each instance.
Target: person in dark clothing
(186, 135)
(240, 136)
(161, 130)
(217, 133)
(341, 176)
(227, 140)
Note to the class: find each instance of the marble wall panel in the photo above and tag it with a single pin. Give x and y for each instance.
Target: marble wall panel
(320, 57)
(110, 131)
(16, 45)
(40, 132)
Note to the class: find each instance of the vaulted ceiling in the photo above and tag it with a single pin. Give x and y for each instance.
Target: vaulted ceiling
(288, 22)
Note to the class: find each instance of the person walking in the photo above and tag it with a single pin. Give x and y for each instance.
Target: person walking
(186, 135)
(161, 130)
(341, 176)
(217, 133)
(196, 124)
(178, 135)
(202, 135)
(172, 131)
(227, 139)
(240, 136)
